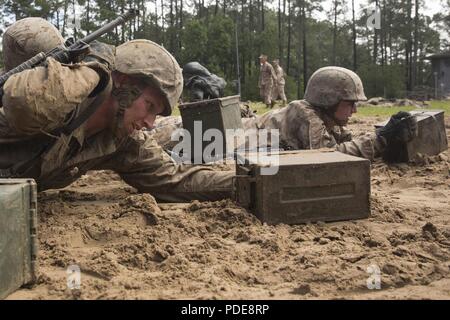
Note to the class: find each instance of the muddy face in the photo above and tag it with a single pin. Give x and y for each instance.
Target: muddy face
(143, 111)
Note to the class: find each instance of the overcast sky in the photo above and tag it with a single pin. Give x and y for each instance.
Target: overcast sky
(431, 7)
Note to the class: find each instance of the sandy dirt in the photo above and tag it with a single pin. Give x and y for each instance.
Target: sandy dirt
(129, 247)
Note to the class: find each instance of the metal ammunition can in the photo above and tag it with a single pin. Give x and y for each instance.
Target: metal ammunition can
(18, 227)
(310, 186)
(431, 138)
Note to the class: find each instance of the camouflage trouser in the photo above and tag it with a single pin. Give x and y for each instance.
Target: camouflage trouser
(278, 92)
(266, 93)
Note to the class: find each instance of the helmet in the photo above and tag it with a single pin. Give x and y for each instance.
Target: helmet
(149, 60)
(330, 85)
(195, 69)
(26, 38)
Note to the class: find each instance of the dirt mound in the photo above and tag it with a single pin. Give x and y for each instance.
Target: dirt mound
(382, 102)
(129, 247)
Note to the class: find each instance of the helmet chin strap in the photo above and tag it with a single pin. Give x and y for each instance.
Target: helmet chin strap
(124, 95)
(340, 123)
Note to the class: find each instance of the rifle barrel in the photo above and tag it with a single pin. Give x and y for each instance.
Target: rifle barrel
(116, 22)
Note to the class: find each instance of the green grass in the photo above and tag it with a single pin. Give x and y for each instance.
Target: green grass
(388, 111)
(372, 111)
(176, 111)
(260, 107)
(442, 105)
(367, 111)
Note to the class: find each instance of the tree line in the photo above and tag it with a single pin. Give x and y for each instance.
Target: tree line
(224, 34)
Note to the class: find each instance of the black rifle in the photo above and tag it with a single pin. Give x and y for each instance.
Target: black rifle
(70, 54)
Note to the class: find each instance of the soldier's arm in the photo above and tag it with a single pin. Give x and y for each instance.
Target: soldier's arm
(39, 99)
(274, 75)
(143, 164)
(283, 75)
(366, 146)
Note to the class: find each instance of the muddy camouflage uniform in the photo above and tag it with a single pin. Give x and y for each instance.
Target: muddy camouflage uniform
(308, 124)
(267, 77)
(278, 86)
(37, 101)
(304, 127)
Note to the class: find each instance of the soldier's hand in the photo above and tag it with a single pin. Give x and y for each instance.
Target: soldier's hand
(401, 128)
(102, 53)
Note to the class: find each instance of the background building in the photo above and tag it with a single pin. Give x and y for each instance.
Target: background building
(441, 73)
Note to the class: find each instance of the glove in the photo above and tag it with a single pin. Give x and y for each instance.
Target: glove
(401, 128)
(102, 53)
(345, 135)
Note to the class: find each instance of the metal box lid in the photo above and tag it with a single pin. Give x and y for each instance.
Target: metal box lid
(227, 113)
(309, 186)
(18, 243)
(210, 102)
(296, 157)
(431, 139)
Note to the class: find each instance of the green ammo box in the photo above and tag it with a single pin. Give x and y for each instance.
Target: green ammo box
(431, 138)
(18, 242)
(198, 117)
(310, 186)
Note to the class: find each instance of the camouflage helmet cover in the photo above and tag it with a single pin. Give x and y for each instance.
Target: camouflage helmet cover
(27, 37)
(330, 85)
(153, 62)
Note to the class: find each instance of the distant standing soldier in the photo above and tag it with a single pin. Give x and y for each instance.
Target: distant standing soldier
(278, 87)
(267, 77)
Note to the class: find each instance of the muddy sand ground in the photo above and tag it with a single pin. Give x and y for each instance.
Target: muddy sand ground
(129, 247)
